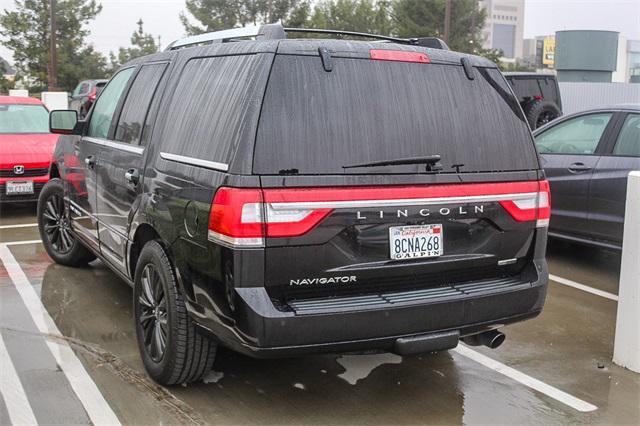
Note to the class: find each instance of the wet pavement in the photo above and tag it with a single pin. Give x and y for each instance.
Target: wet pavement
(567, 348)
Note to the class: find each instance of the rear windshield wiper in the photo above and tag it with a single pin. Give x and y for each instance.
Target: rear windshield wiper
(431, 162)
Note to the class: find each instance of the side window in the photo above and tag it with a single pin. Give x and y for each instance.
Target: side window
(628, 142)
(106, 106)
(136, 105)
(578, 135)
(214, 106)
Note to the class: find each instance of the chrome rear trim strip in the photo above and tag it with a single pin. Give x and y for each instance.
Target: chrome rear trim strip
(402, 202)
(213, 165)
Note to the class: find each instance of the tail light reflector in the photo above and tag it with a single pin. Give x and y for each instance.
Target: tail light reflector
(94, 94)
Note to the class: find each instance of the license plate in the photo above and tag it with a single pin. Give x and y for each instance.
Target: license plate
(17, 188)
(415, 242)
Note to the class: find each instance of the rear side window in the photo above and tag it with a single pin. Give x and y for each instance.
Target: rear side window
(363, 111)
(628, 142)
(134, 111)
(216, 100)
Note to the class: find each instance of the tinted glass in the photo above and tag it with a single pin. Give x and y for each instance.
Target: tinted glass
(137, 103)
(549, 92)
(82, 89)
(368, 111)
(579, 135)
(23, 119)
(215, 101)
(106, 106)
(628, 142)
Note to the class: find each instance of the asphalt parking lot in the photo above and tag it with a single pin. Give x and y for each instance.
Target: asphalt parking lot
(68, 355)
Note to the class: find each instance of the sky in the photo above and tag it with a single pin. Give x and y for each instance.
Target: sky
(113, 27)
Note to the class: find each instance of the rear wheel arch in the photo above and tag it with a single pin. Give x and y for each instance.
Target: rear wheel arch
(143, 234)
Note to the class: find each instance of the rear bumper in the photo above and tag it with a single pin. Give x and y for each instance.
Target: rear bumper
(375, 322)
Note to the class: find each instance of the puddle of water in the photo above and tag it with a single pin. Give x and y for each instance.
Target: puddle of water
(213, 377)
(359, 367)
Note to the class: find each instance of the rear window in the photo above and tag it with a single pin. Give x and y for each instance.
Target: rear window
(23, 119)
(316, 122)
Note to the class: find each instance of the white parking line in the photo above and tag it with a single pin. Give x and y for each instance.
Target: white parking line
(583, 287)
(19, 225)
(19, 243)
(88, 393)
(20, 412)
(526, 380)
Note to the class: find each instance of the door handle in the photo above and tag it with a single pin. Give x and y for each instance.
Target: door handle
(132, 176)
(578, 168)
(90, 161)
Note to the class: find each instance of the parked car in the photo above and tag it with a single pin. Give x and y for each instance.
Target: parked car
(292, 196)
(84, 95)
(539, 96)
(26, 148)
(587, 157)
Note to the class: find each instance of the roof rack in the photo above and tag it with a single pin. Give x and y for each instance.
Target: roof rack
(277, 31)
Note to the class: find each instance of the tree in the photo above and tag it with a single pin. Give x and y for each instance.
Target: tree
(5, 84)
(420, 18)
(26, 32)
(367, 16)
(141, 44)
(215, 15)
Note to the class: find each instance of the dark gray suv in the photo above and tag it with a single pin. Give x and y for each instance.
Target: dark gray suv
(587, 157)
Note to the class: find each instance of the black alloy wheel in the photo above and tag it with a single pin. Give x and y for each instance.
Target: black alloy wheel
(153, 313)
(54, 225)
(172, 348)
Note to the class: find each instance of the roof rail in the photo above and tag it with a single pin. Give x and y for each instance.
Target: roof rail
(277, 31)
(268, 31)
(350, 33)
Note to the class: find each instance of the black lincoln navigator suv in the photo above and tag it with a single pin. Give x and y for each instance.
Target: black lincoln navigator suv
(284, 196)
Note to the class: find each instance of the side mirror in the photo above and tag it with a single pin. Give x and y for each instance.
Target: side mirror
(63, 122)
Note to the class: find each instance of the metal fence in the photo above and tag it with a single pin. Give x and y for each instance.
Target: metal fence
(581, 96)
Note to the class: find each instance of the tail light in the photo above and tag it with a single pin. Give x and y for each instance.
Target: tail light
(244, 217)
(531, 206)
(93, 95)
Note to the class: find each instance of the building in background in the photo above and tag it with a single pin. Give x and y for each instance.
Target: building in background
(504, 27)
(633, 61)
(596, 56)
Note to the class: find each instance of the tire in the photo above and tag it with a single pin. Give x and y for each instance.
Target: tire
(172, 350)
(540, 113)
(55, 231)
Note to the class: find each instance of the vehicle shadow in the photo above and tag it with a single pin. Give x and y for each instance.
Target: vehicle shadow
(93, 306)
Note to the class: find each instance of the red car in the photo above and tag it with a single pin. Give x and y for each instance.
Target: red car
(26, 148)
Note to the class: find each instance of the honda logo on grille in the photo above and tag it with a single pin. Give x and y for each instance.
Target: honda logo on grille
(19, 170)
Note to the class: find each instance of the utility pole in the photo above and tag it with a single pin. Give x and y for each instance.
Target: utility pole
(447, 20)
(53, 55)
